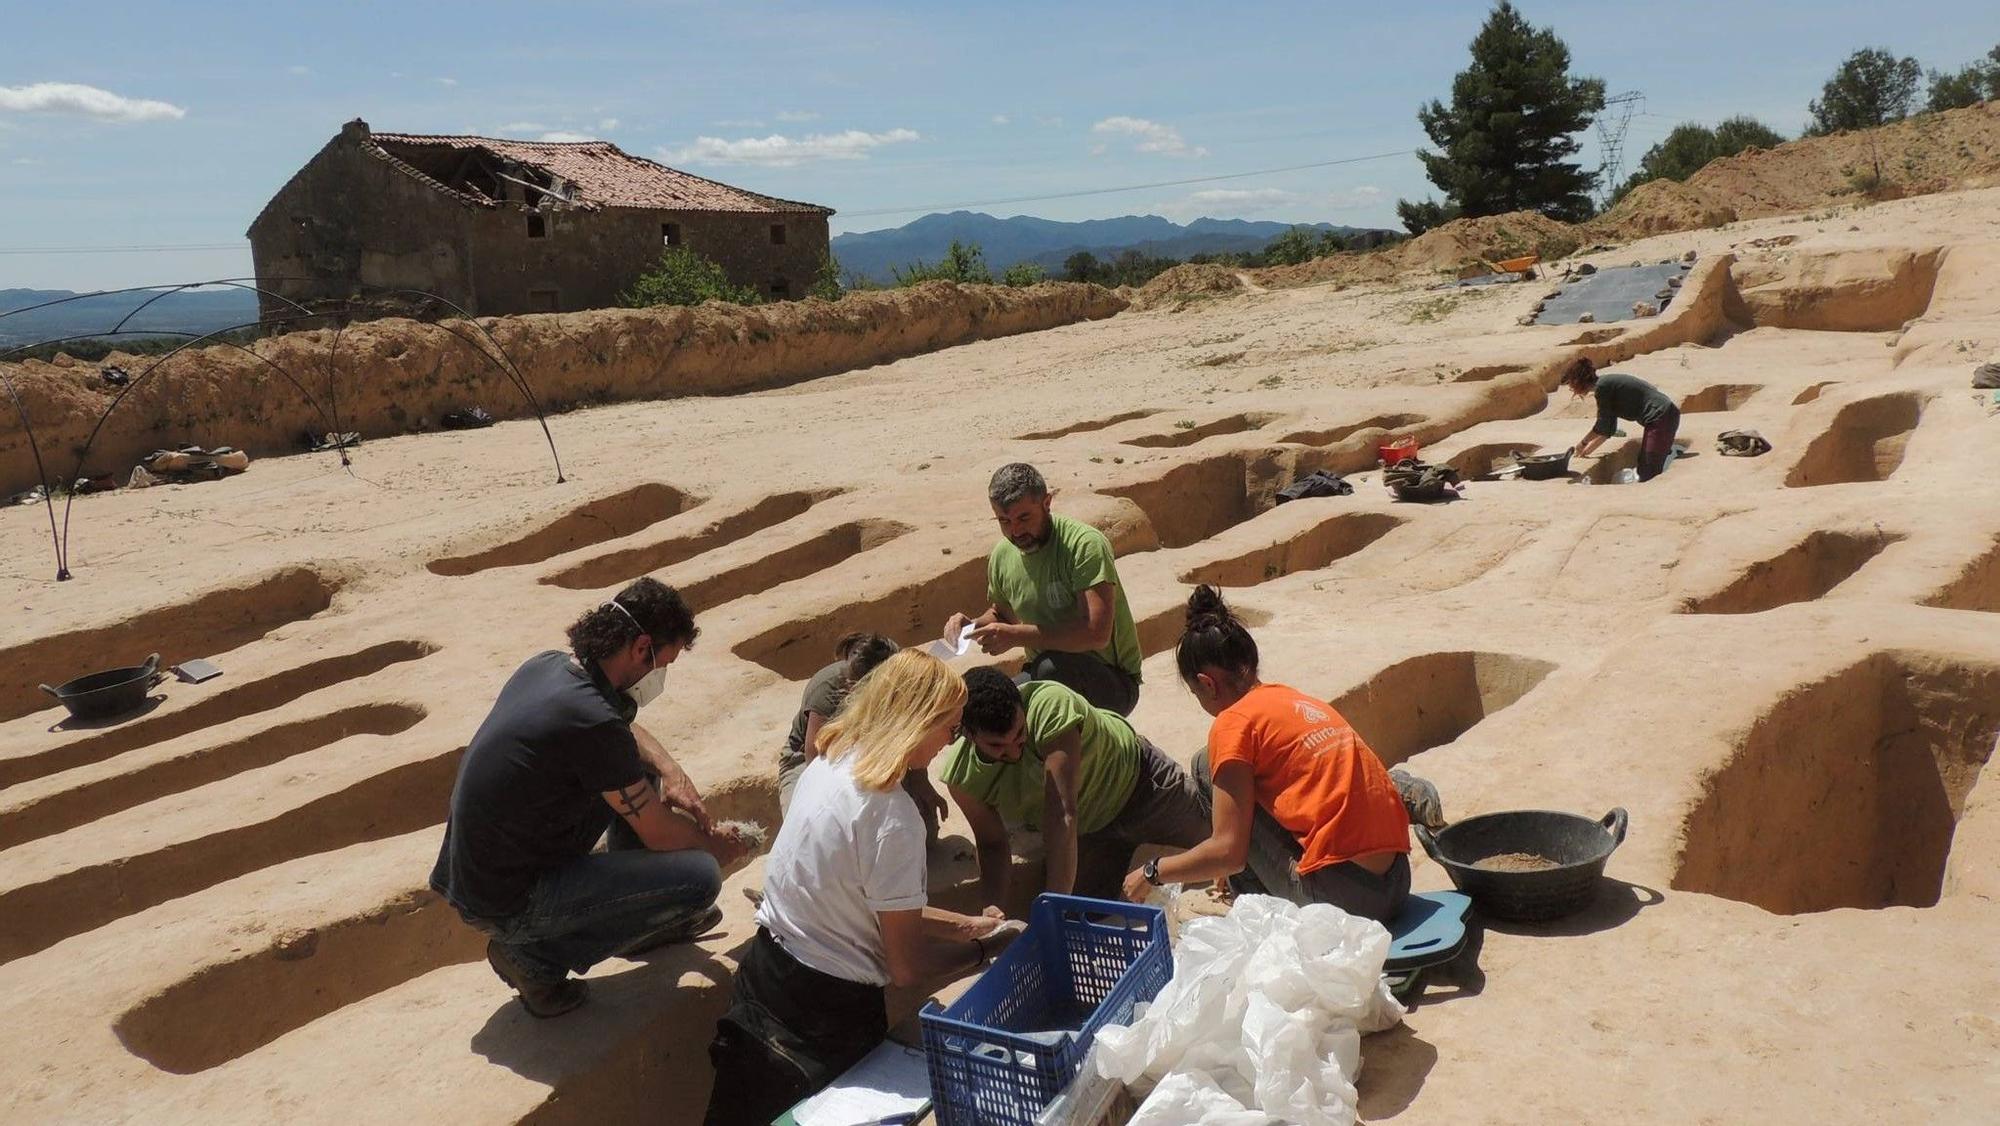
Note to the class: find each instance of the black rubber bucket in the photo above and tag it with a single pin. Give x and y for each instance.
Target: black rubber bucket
(1578, 845)
(1544, 467)
(108, 694)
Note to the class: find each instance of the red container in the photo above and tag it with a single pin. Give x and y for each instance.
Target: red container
(1397, 450)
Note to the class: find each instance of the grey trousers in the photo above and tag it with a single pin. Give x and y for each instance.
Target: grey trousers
(1105, 686)
(1274, 868)
(1165, 809)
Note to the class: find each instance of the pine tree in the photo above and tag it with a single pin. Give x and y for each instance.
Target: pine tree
(1506, 139)
(1873, 87)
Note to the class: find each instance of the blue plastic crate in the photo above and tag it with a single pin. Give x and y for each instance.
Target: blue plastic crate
(1002, 1051)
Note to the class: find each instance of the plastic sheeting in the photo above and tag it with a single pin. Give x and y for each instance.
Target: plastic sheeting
(1263, 1019)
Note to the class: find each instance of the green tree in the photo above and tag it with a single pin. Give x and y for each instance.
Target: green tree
(963, 262)
(1083, 266)
(1507, 138)
(1330, 243)
(1294, 246)
(826, 279)
(1022, 273)
(682, 277)
(1873, 87)
(1419, 216)
(1972, 84)
(1689, 148)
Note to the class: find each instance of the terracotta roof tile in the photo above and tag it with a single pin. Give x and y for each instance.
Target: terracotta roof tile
(602, 174)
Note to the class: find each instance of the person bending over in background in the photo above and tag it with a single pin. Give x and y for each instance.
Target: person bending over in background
(1632, 399)
(557, 763)
(856, 655)
(1298, 798)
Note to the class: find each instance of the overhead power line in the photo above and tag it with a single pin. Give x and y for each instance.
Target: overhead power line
(183, 247)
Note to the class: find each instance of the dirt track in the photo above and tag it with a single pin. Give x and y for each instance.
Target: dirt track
(1786, 668)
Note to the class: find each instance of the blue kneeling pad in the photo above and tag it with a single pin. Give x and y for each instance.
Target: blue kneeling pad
(1429, 931)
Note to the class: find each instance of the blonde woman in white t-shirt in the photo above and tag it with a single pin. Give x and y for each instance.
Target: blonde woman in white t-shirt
(845, 909)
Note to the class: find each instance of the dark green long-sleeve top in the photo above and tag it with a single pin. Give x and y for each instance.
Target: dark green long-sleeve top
(1630, 398)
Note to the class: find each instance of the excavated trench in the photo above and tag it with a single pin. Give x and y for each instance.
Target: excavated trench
(1605, 468)
(80, 805)
(1429, 700)
(1977, 587)
(912, 612)
(1720, 397)
(1807, 570)
(1485, 372)
(622, 566)
(1329, 436)
(402, 799)
(1336, 537)
(1161, 630)
(229, 1010)
(808, 557)
(204, 1022)
(606, 518)
(1085, 426)
(1813, 392)
(1480, 461)
(213, 623)
(1188, 436)
(1863, 443)
(1197, 499)
(263, 695)
(1847, 792)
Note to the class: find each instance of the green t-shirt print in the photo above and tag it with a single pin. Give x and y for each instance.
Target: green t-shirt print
(1105, 777)
(1043, 588)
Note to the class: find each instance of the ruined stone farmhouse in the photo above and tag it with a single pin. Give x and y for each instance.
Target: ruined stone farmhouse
(499, 226)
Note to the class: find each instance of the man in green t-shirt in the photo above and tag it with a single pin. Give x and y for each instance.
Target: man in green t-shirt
(1040, 757)
(1052, 588)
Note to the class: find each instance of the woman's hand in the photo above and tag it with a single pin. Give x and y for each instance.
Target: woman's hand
(1138, 889)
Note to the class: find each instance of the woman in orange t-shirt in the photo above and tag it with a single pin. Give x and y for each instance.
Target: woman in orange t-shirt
(1298, 798)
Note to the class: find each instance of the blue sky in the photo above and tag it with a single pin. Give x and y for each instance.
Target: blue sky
(195, 113)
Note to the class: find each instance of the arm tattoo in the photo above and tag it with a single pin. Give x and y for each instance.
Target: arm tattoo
(634, 798)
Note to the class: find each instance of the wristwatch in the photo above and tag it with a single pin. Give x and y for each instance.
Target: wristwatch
(1151, 870)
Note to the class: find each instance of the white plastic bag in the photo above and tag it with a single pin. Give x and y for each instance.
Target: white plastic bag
(1264, 1016)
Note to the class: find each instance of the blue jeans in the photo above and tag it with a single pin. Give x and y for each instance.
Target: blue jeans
(602, 904)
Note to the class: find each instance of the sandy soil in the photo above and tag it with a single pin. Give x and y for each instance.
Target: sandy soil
(1785, 668)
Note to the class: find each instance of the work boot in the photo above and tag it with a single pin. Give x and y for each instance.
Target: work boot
(541, 998)
(686, 930)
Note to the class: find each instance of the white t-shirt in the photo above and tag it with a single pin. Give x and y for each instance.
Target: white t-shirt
(843, 854)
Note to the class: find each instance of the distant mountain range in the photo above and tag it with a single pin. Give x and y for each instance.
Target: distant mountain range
(875, 255)
(198, 311)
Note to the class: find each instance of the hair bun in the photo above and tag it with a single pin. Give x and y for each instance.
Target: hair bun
(1205, 607)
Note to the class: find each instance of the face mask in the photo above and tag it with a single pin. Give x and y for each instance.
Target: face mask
(649, 687)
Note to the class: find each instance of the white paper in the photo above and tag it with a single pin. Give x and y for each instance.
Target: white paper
(944, 651)
(889, 1081)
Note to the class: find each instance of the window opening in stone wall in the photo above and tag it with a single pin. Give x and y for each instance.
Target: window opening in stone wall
(777, 234)
(544, 301)
(538, 225)
(670, 234)
(781, 289)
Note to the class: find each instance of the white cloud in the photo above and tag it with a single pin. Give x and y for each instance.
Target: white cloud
(739, 123)
(607, 125)
(1001, 119)
(26, 161)
(565, 135)
(795, 116)
(1099, 150)
(524, 127)
(1153, 136)
(446, 81)
(84, 101)
(1233, 203)
(780, 151)
(298, 70)
(1050, 122)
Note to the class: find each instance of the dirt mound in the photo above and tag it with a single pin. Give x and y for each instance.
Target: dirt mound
(1186, 281)
(399, 376)
(1932, 152)
(1490, 237)
(1659, 207)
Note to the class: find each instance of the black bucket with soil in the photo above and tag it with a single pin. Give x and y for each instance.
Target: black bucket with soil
(1527, 865)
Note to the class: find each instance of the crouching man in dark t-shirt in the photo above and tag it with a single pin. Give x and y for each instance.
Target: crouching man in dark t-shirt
(558, 762)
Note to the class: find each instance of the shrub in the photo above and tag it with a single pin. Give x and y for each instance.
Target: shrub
(963, 263)
(682, 277)
(1022, 273)
(826, 279)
